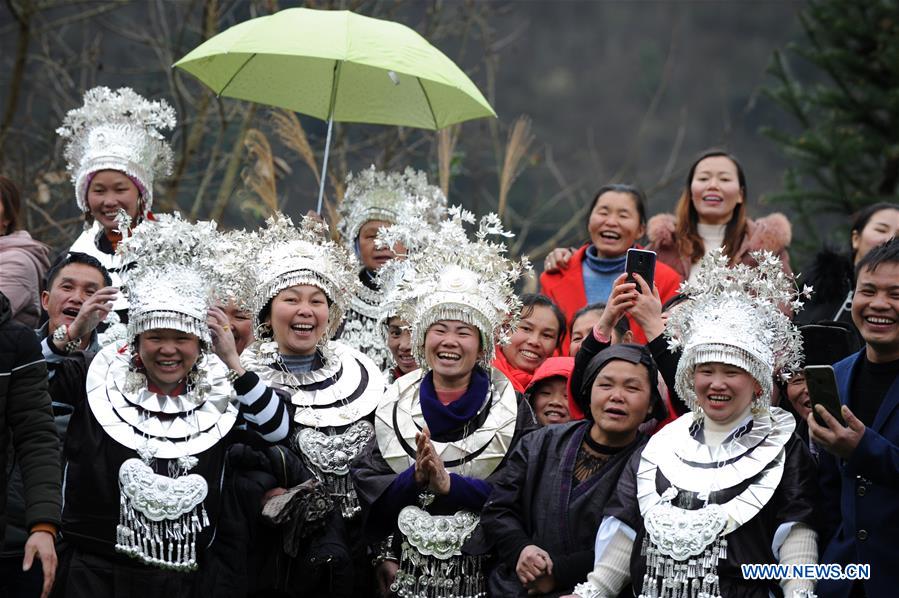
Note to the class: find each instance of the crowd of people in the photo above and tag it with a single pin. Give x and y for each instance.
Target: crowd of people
(190, 411)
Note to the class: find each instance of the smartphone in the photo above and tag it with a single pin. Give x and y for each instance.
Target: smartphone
(822, 390)
(642, 262)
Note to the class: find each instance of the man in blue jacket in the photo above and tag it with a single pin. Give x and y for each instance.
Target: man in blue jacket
(860, 474)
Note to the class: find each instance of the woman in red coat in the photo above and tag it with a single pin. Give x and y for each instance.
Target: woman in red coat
(617, 221)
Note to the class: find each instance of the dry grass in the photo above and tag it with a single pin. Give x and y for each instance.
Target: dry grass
(290, 132)
(259, 175)
(520, 139)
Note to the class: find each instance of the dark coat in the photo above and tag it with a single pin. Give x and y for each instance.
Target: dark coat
(372, 476)
(66, 374)
(534, 502)
(27, 420)
(861, 496)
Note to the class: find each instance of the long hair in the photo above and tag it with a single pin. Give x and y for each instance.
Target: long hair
(9, 196)
(689, 243)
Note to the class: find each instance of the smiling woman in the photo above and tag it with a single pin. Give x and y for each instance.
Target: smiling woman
(442, 431)
(115, 151)
(712, 213)
(147, 442)
(301, 291)
(538, 336)
(729, 480)
(616, 223)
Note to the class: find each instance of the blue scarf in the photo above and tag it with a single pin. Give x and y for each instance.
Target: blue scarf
(444, 419)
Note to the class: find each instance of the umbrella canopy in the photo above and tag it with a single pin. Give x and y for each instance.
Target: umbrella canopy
(340, 66)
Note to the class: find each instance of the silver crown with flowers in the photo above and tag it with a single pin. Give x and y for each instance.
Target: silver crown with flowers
(229, 264)
(447, 276)
(416, 229)
(166, 287)
(117, 130)
(290, 255)
(735, 316)
(376, 195)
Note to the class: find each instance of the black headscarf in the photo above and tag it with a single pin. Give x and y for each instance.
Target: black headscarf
(636, 354)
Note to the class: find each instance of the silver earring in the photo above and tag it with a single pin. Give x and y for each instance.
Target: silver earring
(263, 332)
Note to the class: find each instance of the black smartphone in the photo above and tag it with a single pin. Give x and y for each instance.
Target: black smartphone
(822, 390)
(642, 262)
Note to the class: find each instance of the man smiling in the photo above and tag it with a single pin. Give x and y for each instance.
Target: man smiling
(859, 475)
(77, 299)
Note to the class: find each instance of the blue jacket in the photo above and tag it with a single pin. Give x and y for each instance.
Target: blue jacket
(861, 497)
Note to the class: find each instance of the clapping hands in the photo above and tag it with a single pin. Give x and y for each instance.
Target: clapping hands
(429, 469)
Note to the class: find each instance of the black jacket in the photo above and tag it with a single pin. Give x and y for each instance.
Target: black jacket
(26, 422)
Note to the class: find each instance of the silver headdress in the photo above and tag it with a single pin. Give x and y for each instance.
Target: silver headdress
(414, 230)
(447, 276)
(230, 264)
(165, 286)
(117, 130)
(375, 195)
(304, 254)
(735, 316)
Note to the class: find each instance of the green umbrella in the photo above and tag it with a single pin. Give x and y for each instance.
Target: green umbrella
(338, 66)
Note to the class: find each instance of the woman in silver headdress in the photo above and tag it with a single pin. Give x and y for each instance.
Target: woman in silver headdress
(115, 152)
(145, 449)
(731, 483)
(375, 200)
(443, 430)
(303, 280)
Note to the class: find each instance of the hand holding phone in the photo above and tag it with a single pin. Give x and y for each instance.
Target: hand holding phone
(642, 262)
(822, 390)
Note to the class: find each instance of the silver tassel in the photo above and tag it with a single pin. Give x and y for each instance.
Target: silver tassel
(421, 576)
(696, 577)
(167, 544)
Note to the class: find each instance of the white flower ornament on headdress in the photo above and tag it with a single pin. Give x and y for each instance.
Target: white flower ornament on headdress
(448, 276)
(165, 286)
(376, 195)
(735, 315)
(117, 130)
(230, 264)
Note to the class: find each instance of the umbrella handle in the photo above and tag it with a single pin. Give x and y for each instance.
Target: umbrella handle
(335, 81)
(321, 187)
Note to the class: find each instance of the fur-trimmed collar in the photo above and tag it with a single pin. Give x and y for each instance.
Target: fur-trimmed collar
(772, 232)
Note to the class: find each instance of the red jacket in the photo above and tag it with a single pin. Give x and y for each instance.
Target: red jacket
(566, 288)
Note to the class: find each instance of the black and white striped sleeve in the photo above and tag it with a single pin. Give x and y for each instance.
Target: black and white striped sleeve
(262, 408)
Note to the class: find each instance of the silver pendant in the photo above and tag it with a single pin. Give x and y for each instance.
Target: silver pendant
(440, 536)
(160, 517)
